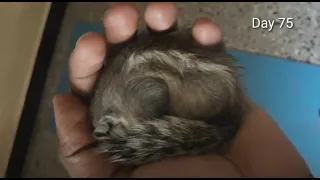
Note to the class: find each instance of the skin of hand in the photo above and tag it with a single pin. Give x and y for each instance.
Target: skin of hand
(259, 150)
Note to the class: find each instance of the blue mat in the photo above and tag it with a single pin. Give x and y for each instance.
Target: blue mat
(288, 91)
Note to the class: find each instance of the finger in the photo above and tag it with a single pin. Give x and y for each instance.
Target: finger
(206, 32)
(213, 166)
(120, 22)
(123, 172)
(161, 16)
(74, 133)
(87, 58)
(85, 62)
(72, 130)
(88, 164)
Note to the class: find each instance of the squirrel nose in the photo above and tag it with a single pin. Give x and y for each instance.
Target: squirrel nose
(98, 134)
(102, 131)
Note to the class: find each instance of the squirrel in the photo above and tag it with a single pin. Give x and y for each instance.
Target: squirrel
(164, 95)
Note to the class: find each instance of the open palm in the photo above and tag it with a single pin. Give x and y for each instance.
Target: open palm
(259, 150)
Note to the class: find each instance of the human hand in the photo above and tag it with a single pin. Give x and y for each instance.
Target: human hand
(259, 150)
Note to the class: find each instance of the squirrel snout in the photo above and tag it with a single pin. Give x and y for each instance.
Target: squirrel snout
(102, 130)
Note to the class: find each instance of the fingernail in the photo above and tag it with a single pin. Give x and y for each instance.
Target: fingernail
(55, 99)
(105, 14)
(82, 36)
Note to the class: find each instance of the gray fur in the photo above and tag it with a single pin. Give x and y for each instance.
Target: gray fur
(162, 96)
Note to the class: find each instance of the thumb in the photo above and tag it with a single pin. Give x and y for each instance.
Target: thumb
(73, 130)
(74, 134)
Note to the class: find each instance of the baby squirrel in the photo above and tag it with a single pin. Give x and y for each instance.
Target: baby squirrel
(164, 95)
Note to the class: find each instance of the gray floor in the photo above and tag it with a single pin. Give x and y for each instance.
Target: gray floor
(301, 42)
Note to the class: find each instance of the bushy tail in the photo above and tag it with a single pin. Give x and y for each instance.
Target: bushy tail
(157, 139)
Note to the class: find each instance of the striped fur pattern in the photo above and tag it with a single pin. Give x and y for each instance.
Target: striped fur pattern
(162, 96)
